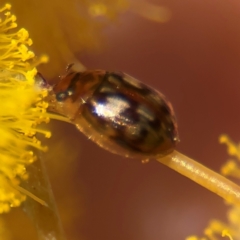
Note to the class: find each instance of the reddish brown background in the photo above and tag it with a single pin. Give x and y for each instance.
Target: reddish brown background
(194, 60)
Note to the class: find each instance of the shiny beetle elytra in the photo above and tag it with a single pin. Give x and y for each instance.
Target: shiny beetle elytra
(117, 112)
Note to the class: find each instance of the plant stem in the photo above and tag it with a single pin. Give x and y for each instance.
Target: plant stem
(203, 176)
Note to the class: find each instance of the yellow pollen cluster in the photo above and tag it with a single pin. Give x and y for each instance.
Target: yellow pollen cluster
(21, 109)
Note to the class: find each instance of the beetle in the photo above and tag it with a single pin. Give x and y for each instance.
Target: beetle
(116, 111)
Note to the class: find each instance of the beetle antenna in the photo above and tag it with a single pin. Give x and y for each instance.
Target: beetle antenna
(69, 67)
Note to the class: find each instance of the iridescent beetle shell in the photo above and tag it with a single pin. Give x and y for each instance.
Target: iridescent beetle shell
(116, 111)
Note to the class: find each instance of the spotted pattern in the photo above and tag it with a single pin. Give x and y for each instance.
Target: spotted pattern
(129, 117)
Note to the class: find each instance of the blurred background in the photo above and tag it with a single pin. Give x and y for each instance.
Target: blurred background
(192, 55)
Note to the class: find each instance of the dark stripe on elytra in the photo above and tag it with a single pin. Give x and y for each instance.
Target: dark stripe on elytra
(165, 109)
(120, 140)
(131, 114)
(136, 144)
(102, 83)
(74, 80)
(155, 124)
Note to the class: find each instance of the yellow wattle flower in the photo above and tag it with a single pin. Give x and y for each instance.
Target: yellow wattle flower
(21, 109)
